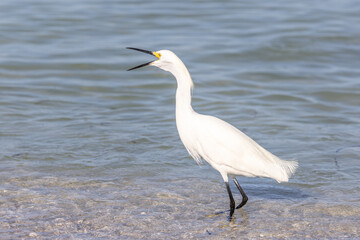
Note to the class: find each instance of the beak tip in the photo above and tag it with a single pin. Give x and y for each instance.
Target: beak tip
(144, 51)
(142, 65)
(141, 50)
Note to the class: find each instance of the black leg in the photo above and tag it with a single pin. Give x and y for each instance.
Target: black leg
(232, 202)
(244, 197)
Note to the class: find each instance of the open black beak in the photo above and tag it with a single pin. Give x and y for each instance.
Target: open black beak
(144, 51)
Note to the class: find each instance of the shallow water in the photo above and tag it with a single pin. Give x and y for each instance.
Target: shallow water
(88, 150)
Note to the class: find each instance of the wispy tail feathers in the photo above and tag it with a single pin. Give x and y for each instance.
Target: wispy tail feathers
(287, 168)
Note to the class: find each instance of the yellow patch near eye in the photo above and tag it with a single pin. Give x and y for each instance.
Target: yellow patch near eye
(158, 55)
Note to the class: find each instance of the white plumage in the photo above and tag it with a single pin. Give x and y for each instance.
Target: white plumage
(230, 151)
(224, 147)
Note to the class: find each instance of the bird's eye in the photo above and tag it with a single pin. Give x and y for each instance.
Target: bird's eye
(158, 55)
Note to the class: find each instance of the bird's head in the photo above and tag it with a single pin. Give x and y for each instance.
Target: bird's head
(166, 60)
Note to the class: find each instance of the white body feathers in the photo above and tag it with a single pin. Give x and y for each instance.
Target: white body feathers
(228, 150)
(223, 146)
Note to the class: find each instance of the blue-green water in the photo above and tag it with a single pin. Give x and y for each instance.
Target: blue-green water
(90, 151)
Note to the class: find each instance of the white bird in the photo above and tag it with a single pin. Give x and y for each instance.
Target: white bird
(223, 146)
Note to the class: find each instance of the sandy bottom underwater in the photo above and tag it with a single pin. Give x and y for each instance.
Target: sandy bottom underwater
(74, 208)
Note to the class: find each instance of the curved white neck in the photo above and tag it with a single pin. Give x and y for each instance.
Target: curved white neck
(183, 91)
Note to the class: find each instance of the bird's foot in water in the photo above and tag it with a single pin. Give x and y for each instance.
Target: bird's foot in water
(230, 218)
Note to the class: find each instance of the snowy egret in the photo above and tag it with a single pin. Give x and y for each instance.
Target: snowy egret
(208, 138)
